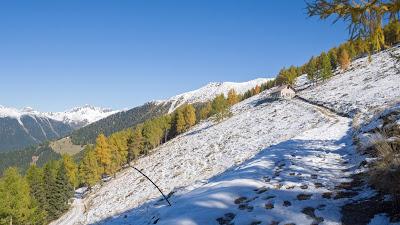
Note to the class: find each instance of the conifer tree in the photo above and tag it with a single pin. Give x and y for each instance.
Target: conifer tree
(205, 111)
(51, 192)
(333, 55)
(119, 150)
(135, 144)
(220, 108)
(152, 135)
(312, 69)
(103, 154)
(257, 89)
(63, 189)
(190, 116)
(232, 97)
(392, 33)
(326, 69)
(89, 171)
(72, 170)
(16, 204)
(344, 59)
(34, 177)
(180, 122)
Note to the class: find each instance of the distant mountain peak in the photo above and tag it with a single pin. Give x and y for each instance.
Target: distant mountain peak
(212, 89)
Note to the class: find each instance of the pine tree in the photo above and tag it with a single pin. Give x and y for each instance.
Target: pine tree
(220, 108)
(49, 180)
(34, 176)
(205, 111)
(63, 189)
(333, 55)
(344, 59)
(152, 134)
(312, 69)
(103, 154)
(16, 204)
(72, 169)
(326, 69)
(135, 144)
(232, 97)
(89, 170)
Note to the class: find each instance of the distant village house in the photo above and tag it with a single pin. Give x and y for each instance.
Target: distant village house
(283, 91)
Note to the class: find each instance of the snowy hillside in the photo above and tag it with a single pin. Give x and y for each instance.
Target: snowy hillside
(206, 150)
(81, 116)
(365, 88)
(272, 162)
(211, 90)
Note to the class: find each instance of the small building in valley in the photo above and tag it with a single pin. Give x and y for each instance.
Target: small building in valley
(283, 91)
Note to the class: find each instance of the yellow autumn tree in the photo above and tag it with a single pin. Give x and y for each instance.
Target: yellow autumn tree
(103, 154)
(72, 170)
(233, 98)
(257, 89)
(205, 111)
(344, 59)
(179, 122)
(190, 116)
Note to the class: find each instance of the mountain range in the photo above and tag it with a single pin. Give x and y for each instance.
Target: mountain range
(25, 127)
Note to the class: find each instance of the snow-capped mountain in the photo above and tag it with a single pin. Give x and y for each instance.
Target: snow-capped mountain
(20, 128)
(81, 116)
(209, 91)
(139, 114)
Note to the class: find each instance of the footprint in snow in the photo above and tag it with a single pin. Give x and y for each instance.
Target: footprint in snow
(226, 219)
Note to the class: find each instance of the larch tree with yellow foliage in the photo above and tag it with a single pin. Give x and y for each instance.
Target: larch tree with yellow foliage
(103, 154)
(205, 111)
(344, 59)
(72, 170)
(233, 98)
(89, 170)
(189, 114)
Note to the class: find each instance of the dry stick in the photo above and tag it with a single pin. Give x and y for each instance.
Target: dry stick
(166, 199)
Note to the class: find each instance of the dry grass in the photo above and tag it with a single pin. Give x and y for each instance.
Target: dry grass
(65, 145)
(385, 171)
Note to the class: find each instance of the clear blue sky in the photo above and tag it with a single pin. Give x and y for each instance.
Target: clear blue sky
(55, 55)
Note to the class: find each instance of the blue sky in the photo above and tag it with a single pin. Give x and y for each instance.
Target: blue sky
(55, 55)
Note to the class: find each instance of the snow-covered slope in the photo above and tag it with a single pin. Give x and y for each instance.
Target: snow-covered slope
(204, 151)
(283, 184)
(211, 90)
(272, 162)
(365, 88)
(81, 116)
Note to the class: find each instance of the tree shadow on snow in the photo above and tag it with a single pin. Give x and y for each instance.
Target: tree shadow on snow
(258, 190)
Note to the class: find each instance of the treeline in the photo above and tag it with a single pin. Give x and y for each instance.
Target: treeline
(117, 122)
(110, 154)
(39, 196)
(321, 67)
(23, 158)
